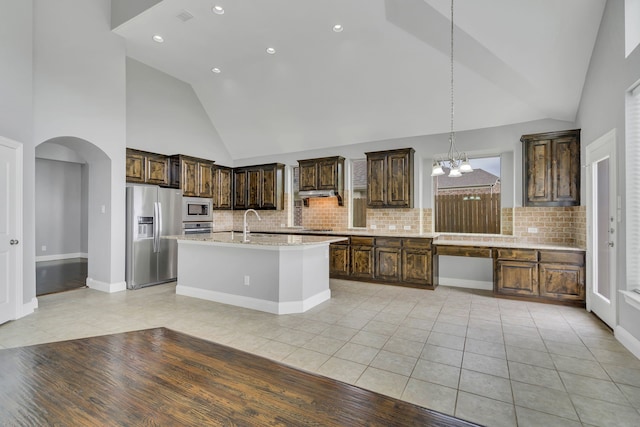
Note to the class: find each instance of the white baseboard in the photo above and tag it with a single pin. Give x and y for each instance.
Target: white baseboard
(465, 283)
(629, 341)
(58, 257)
(28, 308)
(273, 307)
(106, 287)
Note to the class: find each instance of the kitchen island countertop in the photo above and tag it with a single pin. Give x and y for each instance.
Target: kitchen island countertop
(258, 238)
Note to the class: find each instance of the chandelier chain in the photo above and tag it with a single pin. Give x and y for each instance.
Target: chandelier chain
(451, 134)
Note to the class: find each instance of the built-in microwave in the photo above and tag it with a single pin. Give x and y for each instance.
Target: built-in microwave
(196, 209)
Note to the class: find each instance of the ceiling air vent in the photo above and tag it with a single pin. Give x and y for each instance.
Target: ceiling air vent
(185, 15)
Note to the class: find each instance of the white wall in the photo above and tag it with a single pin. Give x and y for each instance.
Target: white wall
(59, 208)
(79, 86)
(16, 121)
(602, 108)
(164, 115)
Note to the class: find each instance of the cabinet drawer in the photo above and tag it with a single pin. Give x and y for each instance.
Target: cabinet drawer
(470, 251)
(562, 257)
(417, 243)
(389, 242)
(361, 241)
(342, 242)
(518, 254)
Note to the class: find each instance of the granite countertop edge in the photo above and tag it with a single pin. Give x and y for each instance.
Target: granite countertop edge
(486, 241)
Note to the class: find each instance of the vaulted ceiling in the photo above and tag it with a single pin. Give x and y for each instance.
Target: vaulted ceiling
(386, 75)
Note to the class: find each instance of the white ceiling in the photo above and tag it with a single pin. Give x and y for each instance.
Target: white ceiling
(385, 76)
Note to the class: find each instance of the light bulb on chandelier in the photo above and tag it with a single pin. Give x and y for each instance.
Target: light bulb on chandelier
(458, 162)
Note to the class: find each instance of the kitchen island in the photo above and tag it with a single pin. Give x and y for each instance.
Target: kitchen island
(276, 273)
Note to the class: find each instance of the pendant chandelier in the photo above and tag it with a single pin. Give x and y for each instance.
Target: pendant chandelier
(458, 162)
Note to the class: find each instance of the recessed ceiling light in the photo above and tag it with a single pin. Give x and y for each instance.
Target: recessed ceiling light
(218, 10)
(338, 28)
(158, 38)
(216, 70)
(271, 50)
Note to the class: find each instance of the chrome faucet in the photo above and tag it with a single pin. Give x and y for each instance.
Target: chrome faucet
(245, 227)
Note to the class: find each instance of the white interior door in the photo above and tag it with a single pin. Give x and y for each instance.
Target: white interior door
(602, 227)
(10, 213)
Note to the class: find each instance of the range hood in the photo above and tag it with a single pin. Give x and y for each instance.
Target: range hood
(320, 193)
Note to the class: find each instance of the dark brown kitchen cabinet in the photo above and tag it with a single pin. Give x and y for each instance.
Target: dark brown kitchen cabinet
(388, 258)
(259, 187)
(362, 257)
(206, 185)
(562, 275)
(223, 184)
(147, 168)
(552, 168)
(194, 176)
(548, 275)
(240, 189)
(402, 261)
(516, 272)
(390, 178)
(417, 262)
(387, 264)
(326, 173)
(339, 259)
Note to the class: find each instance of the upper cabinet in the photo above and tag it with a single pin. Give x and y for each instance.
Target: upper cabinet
(323, 174)
(194, 176)
(222, 178)
(259, 187)
(390, 178)
(552, 168)
(147, 168)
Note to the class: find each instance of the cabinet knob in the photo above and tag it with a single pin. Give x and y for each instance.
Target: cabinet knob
(13, 242)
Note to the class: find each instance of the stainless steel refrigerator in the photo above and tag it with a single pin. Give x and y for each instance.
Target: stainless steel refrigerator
(152, 212)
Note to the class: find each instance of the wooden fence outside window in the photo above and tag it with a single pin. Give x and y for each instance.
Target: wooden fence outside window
(468, 213)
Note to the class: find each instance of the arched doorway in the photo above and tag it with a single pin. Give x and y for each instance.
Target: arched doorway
(90, 238)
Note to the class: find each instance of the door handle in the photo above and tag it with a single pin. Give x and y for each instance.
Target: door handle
(610, 244)
(13, 242)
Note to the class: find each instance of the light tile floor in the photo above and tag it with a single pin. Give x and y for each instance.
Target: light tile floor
(492, 361)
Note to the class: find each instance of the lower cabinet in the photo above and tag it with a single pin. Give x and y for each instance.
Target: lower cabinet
(416, 266)
(388, 262)
(562, 275)
(402, 261)
(362, 257)
(517, 278)
(541, 274)
(339, 259)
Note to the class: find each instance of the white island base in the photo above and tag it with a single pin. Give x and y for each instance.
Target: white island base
(279, 279)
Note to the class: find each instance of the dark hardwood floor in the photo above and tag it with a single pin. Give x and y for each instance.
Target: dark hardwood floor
(61, 275)
(162, 377)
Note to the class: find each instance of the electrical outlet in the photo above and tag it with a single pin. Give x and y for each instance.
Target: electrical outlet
(392, 227)
(283, 225)
(532, 230)
(44, 248)
(407, 227)
(247, 280)
(373, 226)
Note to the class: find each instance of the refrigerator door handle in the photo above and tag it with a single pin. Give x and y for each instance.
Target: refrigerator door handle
(159, 224)
(156, 217)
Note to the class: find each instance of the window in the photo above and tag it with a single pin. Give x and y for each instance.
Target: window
(359, 192)
(470, 203)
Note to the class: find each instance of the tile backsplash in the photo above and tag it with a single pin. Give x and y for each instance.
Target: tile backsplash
(549, 225)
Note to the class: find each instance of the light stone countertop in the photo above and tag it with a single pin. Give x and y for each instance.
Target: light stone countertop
(257, 238)
(500, 241)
